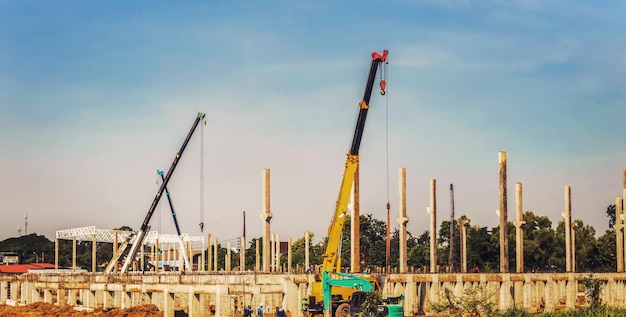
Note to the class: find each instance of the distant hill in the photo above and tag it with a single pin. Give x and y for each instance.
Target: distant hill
(31, 248)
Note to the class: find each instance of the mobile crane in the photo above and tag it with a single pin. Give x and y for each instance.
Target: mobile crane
(331, 265)
(137, 237)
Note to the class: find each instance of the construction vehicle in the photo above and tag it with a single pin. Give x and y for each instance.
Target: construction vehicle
(331, 276)
(340, 306)
(389, 307)
(136, 238)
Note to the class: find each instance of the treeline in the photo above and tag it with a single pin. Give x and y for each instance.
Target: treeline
(544, 247)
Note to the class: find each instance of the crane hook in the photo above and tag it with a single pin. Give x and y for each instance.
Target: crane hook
(383, 86)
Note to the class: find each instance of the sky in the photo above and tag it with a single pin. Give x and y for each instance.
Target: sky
(95, 96)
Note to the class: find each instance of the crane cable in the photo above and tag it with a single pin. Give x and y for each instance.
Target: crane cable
(383, 84)
(201, 224)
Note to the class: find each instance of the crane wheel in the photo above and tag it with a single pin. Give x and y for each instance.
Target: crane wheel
(343, 310)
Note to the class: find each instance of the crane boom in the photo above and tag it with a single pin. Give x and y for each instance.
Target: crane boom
(181, 242)
(332, 255)
(336, 227)
(169, 200)
(145, 227)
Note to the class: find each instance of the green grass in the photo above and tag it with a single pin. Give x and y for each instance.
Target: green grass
(586, 312)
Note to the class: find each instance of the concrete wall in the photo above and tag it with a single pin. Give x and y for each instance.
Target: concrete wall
(220, 294)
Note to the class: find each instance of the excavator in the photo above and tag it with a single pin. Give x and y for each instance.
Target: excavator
(333, 292)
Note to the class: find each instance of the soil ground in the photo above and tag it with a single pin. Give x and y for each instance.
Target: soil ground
(45, 310)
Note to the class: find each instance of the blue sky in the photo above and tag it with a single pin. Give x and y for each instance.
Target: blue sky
(96, 96)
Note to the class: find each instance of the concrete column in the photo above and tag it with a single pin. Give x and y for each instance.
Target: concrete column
(118, 298)
(71, 297)
(227, 259)
(168, 303)
(168, 253)
(209, 263)
(73, 253)
(462, 223)
(624, 213)
(504, 241)
(194, 305)
(289, 262)
(258, 255)
(89, 298)
(433, 225)
(190, 254)
(61, 297)
(266, 217)
(202, 257)
(156, 252)
(519, 233)
(47, 296)
(56, 253)
(272, 254)
(215, 249)
(619, 233)
(307, 241)
(242, 254)
(355, 227)
(25, 293)
(141, 260)
(567, 214)
(3, 291)
(573, 232)
(402, 219)
(93, 253)
(278, 265)
(115, 245)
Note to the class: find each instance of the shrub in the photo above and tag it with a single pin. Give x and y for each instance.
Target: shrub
(474, 302)
(593, 287)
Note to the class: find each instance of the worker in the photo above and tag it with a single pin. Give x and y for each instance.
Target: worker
(247, 312)
(259, 311)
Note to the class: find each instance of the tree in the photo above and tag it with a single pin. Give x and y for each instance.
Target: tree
(419, 253)
(606, 258)
(30, 248)
(539, 243)
(373, 233)
(481, 251)
(610, 212)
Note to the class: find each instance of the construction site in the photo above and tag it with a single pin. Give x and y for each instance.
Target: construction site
(186, 279)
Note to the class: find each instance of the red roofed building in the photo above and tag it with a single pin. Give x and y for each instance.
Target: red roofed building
(23, 268)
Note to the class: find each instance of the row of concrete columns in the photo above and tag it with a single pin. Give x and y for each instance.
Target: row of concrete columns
(171, 253)
(502, 212)
(206, 295)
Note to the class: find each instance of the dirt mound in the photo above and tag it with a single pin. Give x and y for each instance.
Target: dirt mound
(49, 310)
(143, 311)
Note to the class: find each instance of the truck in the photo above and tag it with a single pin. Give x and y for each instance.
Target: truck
(332, 291)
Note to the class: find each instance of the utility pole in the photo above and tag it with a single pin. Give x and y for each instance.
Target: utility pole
(25, 224)
(452, 255)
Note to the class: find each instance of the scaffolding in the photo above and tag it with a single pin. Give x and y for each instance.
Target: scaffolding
(154, 240)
